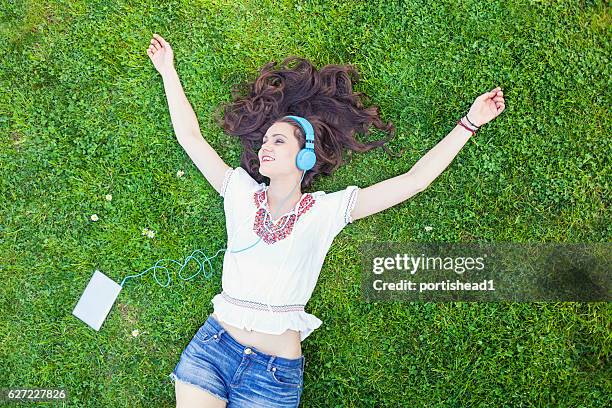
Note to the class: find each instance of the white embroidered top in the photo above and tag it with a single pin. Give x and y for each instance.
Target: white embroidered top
(266, 287)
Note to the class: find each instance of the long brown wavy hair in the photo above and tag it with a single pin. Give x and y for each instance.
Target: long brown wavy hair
(324, 97)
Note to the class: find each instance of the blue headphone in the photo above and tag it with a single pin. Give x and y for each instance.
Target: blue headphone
(306, 158)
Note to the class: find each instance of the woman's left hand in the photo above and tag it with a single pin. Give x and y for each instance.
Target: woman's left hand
(487, 107)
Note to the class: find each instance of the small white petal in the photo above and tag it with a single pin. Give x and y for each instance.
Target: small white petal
(135, 332)
(428, 228)
(109, 197)
(94, 217)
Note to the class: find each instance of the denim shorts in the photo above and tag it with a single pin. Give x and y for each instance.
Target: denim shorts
(243, 376)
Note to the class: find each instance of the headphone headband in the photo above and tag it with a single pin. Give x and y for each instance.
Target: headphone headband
(306, 127)
(306, 157)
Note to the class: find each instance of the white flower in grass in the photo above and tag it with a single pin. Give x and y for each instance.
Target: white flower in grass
(109, 197)
(135, 332)
(180, 173)
(94, 217)
(148, 233)
(428, 228)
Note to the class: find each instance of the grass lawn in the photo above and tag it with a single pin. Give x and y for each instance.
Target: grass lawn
(83, 115)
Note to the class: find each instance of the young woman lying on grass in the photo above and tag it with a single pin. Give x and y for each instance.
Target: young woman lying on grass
(294, 124)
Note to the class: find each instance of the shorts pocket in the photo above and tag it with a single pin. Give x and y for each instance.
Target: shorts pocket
(204, 335)
(287, 376)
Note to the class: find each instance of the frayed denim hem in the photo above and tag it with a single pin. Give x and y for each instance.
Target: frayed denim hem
(175, 378)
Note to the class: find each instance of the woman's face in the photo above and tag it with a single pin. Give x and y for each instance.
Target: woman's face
(282, 146)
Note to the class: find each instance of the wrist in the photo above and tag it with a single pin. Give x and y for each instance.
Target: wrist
(464, 129)
(463, 123)
(467, 125)
(471, 122)
(168, 72)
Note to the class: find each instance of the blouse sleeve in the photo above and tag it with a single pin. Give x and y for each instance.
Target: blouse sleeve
(337, 209)
(237, 184)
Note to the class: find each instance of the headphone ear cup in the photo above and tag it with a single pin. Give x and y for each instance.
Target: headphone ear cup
(305, 159)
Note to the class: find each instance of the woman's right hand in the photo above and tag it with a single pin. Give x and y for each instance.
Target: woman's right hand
(161, 54)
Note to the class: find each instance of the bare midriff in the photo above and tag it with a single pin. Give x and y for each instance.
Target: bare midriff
(286, 345)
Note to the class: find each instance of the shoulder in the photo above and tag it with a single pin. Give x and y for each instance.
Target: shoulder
(333, 210)
(336, 196)
(237, 181)
(338, 203)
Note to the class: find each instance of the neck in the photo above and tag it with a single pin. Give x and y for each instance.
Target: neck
(283, 191)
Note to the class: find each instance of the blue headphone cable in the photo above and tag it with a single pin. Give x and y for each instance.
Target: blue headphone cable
(156, 266)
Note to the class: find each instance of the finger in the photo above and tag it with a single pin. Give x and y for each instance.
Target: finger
(161, 40)
(485, 96)
(155, 43)
(496, 91)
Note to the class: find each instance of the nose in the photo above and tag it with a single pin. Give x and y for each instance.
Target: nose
(265, 149)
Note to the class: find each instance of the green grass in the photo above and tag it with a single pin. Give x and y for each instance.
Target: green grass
(83, 114)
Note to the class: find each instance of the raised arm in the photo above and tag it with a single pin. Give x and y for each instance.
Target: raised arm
(390, 192)
(183, 117)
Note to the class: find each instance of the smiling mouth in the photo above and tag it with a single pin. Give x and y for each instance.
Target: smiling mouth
(266, 159)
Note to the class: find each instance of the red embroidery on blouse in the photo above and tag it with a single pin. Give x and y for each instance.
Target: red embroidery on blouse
(272, 232)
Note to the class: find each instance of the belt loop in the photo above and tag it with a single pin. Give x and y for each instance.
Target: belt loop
(270, 362)
(303, 363)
